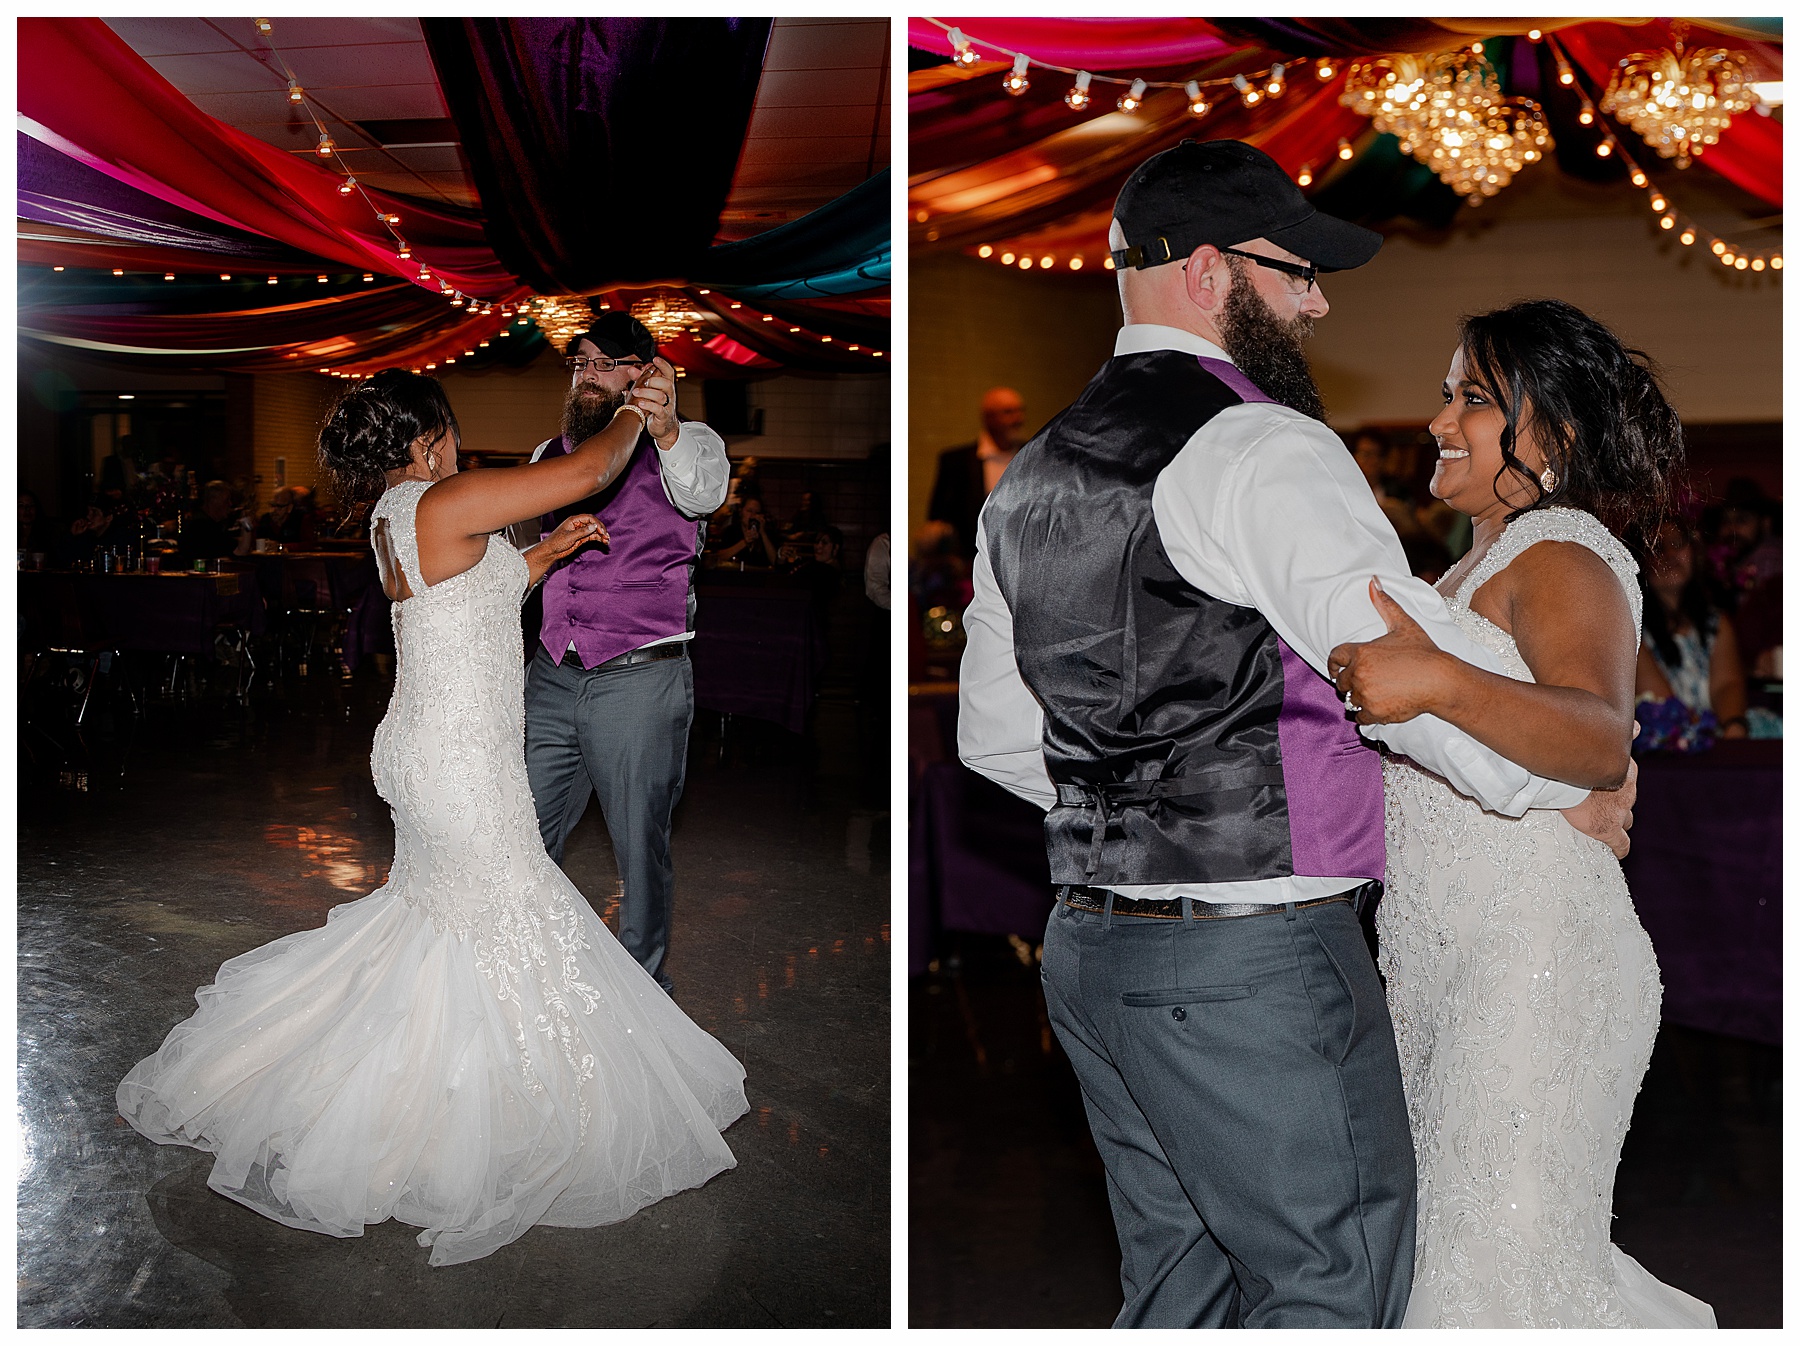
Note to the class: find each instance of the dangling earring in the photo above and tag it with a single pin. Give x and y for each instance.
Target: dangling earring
(1547, 478)
(431, 465)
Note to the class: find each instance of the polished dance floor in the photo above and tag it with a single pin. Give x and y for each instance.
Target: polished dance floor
(1009, 1224)
(206, 829)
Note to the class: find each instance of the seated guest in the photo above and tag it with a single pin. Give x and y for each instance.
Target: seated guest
(1689, 654)
(211, 530)
(820, 571)
(37, 532)
(749, 539)
(284, 522)
(93, 532)
(808, 521)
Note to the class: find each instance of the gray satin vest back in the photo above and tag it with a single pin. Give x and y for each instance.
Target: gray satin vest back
(1166, 710)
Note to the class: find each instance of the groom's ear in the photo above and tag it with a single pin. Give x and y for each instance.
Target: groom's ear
(1206, 278)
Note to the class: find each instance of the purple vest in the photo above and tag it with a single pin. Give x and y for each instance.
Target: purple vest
(610, 600)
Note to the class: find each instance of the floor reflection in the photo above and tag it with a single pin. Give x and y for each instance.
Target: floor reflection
(207, 830)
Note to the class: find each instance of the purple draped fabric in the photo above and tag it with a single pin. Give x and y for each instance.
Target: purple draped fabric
(603, 149)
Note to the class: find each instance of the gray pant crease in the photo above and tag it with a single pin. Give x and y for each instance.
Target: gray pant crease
(1243, 1088)
(619, 734)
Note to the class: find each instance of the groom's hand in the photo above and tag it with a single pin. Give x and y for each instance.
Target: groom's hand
(1392, 679)
(1605, 815)
(654, 395)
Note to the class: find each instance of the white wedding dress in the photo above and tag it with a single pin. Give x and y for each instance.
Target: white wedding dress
(1525, 999)
(467, 1049)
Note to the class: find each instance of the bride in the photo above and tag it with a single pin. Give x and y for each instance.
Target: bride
(467, 1049)
(1524, 993)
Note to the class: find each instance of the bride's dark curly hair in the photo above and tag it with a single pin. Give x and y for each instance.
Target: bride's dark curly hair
(1595, 407)
(373, 427)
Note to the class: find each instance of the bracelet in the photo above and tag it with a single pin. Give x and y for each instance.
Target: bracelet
(642, 415)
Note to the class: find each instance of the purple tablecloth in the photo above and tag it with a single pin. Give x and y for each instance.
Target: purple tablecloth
(157, 614)
(756, 652)
(1705, 873)
(982, 852)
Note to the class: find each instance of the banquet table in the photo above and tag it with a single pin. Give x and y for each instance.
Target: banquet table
(757, 650)
(1705, 875)
(171, 613)
(344, 580)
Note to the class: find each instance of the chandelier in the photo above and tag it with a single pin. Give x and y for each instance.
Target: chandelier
(1679, 101)
(561, 320)
(1449, 112)
(667, 318)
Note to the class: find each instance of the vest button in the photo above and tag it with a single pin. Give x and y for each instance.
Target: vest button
(1178, 1014)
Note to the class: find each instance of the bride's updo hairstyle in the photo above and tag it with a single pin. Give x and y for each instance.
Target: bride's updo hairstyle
(372, 429)
(1594, 406)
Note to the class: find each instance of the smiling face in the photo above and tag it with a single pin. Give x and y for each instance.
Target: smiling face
(1468, 432)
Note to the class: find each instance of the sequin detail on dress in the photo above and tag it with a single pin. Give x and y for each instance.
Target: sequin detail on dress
(467, 1049)
(1525, 999)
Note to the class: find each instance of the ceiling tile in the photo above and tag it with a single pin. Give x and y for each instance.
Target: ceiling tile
(783, 122)
(821, 88)
(828, 46)
(170, 37)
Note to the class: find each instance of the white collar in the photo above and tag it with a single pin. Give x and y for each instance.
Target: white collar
(1140, 337)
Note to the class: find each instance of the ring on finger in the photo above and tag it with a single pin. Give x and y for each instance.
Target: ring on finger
(1350, 703)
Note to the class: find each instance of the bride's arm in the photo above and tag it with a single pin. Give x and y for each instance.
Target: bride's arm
(1569, 616)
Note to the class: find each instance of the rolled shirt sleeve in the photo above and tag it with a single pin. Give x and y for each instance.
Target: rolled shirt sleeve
(1265, 508)
(696, 472)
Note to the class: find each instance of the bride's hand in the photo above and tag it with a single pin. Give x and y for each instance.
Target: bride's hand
(1395, 678)
(572, 533)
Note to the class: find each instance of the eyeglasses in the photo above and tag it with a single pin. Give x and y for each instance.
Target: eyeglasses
(604, 363)
(1305, 271)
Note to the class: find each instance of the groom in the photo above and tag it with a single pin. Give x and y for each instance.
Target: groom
(609, 693)
(1161, 574)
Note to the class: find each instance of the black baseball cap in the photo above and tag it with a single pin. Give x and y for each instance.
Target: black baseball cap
(1224, 192)
(619, 335)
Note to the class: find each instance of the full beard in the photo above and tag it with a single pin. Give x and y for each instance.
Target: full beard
(1270, 352)
(587, 410)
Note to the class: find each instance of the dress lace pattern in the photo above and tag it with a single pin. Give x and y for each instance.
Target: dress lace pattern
(1525, 998)
(468, 1048)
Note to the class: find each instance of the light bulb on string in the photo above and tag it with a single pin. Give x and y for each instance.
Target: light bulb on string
(1006, 259)
(347, 186)
(326, 147)
(368, 276)
(1325, 70)
(1250, 94)
(1075, 263)
(168, 275)
(272, 280)
(1197, 104)
(1586, 118)
(1718, 247)
(1687, 238)
(263, 25)
(1536, 35)
(1604, 149)
(1657, 202)
(1637, 177)
(965, 54)
(985, 250)
(1077, 97)
(1757, 264)
(1741, 263)
(1774, 263)
(1305, 179)
(1667, 221)
(1277, 83)
(1344, 150)
(295, 93)
(1133, 98)
(1017, 80)
(390, 219)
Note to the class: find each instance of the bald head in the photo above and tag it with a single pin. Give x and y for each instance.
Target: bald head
(1003, 416)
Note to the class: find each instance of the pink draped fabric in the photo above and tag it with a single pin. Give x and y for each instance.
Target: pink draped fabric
(1087, 44)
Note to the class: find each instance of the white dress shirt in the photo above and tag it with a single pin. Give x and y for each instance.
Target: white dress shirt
(695, 472)
(1262, 508)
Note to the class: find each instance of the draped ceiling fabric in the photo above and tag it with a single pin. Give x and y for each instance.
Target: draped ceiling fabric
(1027, 173)
(603, 150)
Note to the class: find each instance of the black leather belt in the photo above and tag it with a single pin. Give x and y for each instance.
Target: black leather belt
(1083, 898)
(674, 649)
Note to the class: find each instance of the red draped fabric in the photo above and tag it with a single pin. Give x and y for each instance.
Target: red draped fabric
(83, 90)
(1086, 44)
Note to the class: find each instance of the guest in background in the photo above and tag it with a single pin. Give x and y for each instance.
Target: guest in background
(1689, 654)
(38, 534)
(968, 473)
(211, 530)
(820, 571)
(87, 535)
(940, 576)
(1747, 550)
(1374, 455)
(877, 563)
(749, 539)
(808, 521)
(284, 522)
(745, 483)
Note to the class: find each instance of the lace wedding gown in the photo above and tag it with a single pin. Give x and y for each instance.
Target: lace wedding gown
(467, 1049)
(1525, 999)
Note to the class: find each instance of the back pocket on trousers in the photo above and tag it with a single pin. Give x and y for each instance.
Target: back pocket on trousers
(1186, 995)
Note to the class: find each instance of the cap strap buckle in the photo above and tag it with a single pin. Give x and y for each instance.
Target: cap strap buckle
(1140, 257)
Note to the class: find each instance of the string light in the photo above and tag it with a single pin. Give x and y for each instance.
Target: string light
(168, 275)
(1251, 95)
(347, 186)
(272, 280)
(1306, 175)
(1275, 85)
(1016, 81)
(1687, 238)
(965, 54)
(1197, 104)
(1324, 70)
(118, 271)
(1587, 113)
(985, 250)
(1006, 259)
(1133, 98)
(1344, 150)
(224, 275)
(1077, 97)
(1075, 263)
(263, 25)
(326, 147)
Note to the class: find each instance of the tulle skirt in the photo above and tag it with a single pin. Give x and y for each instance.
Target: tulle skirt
(371, 1069)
